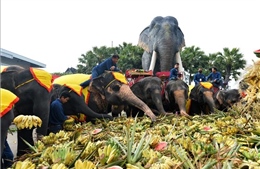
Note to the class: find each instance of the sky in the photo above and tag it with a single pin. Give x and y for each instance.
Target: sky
(57, 32)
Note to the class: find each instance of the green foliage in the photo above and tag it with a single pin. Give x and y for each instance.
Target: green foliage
(229, 63)
(130, 57)
(194, 58)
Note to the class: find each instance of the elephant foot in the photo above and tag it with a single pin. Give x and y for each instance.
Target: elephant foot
(183, 113)
(167, 113)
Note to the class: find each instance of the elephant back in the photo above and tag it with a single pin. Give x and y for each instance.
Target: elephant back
(73, 82)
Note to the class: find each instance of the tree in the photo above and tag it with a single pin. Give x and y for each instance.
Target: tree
(94, 57)
(229, 63)
(130, 56)
(192, 59)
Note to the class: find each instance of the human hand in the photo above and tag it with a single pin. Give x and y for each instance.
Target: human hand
(112, 68)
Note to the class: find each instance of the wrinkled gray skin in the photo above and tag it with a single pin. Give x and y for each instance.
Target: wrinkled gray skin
(202, 101)
(163, 38)
(176, 93)
(115, 93)
(6, 121)
(149, 91)
(34, 100)
(76, 104)
(224, 99)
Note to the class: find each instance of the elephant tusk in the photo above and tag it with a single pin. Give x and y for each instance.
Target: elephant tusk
(153, 60)
(178, 60)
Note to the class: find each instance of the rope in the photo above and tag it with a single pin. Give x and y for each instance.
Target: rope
(28, 81)
(110, 83)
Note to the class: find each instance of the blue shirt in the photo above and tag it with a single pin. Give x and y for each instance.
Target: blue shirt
(106, 65)
(57, 116)
(173, 73)
(199, 77)
(214, 76)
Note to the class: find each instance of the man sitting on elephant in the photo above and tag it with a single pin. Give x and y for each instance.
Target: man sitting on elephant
(199, 77)
(215, 77)
(57, 116)
(109, 64)
(174, 72)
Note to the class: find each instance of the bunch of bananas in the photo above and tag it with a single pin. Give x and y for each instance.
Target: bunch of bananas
(69, 124)
(86, 164)
(108, 154)
(24, 165)
(27, 121)
(59, 166)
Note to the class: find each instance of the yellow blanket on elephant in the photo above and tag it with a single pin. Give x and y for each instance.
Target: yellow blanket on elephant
(188, 103)
(42, 77)
(120, 77)
(3, 68)
(206, 85)
(8, 99)
(73, 81)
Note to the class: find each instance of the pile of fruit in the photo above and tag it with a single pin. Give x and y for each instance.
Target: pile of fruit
(220, 140)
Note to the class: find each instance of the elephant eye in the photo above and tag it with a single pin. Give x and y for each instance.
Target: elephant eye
(115, 88)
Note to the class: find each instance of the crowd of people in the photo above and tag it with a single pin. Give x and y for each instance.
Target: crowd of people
(214, 77)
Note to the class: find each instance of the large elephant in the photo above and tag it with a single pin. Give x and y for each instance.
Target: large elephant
(33, 87)
(176, 93)
(110, 88)
(149, 90)
(8, 99)
(224, 99)
(162, 42)
(202, 100)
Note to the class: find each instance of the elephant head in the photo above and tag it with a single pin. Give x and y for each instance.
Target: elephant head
(162, 42)
(225, 99)
(176, 92)
(201, 100)
(117, 92)
(76, 103)
(149, 90)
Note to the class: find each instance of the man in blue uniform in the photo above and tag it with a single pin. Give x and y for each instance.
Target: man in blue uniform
(215, 77)
(174, 72)
(57, 116)
(199, 77)
(108, 64)
(7, 156)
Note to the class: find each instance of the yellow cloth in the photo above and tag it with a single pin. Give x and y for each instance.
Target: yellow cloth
(3, 68)
(8, 99)
(42, 77)
(120, 77)
(188, 103)
(206, 85)
(73, 81)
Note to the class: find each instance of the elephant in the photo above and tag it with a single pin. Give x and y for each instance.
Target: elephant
(8, 99)
(176, 94)
(224, 99)
(110, 88)
(76, 104)
(33, 87)
(149, 90)
(201, 97)
(162, 42)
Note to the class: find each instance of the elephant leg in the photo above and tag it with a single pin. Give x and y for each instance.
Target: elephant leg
(180, 99)
(41, 108)
(26, 134)
(146, 60)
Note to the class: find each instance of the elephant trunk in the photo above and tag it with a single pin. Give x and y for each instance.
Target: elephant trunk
(179, 96)
(157, 100)
(209, 100)
(127, 95)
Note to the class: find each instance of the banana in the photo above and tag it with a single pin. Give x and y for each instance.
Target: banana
(78, 164)
(130, 166)
(18, 165)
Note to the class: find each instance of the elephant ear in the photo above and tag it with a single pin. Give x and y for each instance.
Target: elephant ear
(180, 37)
(97, 85)
(143, 40)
